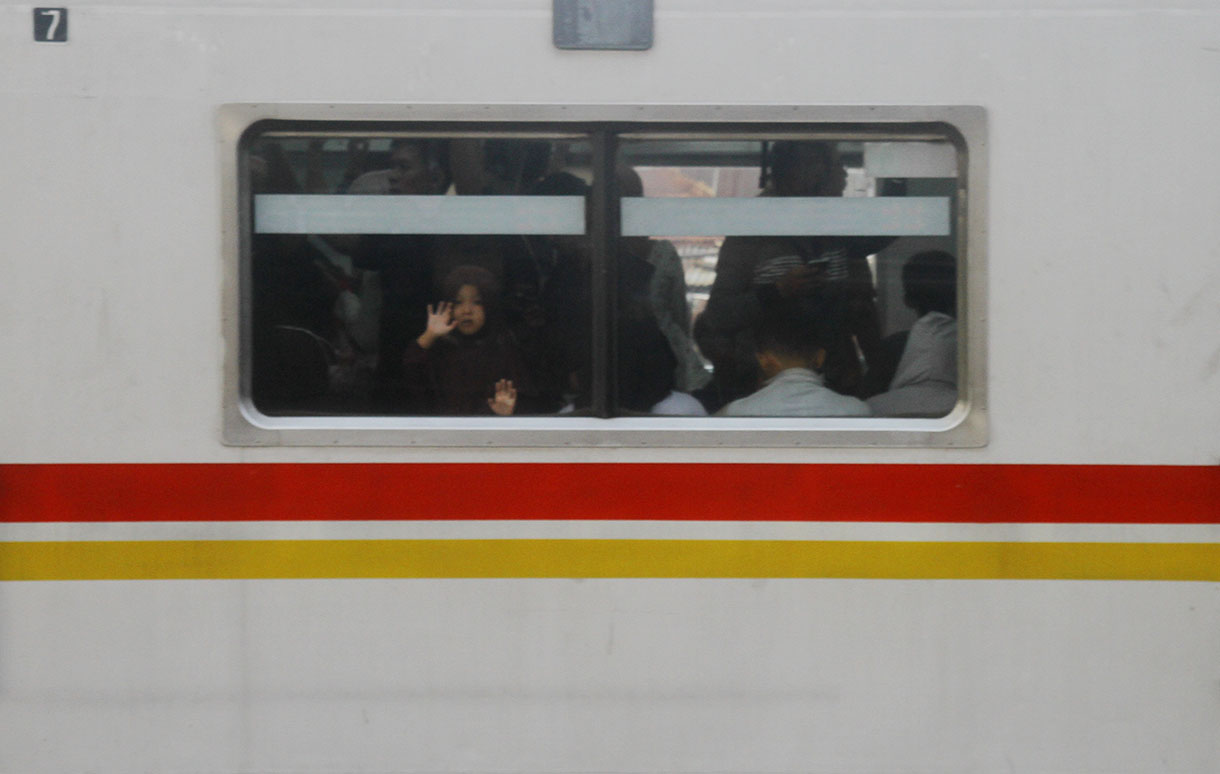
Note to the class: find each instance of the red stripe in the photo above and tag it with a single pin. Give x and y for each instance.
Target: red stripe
(910, 493)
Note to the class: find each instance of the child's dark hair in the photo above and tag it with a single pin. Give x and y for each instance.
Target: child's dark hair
(929, 282)
(789, 330)
(483, 281)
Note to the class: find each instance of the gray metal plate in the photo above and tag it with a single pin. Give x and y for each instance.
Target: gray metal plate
(624, 25)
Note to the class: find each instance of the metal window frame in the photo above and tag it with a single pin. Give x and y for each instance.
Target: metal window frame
(964, 126)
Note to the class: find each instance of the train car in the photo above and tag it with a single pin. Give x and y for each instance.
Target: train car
(595, 386)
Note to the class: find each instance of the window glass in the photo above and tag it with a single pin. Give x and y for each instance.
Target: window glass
(600, 271)
(417, 275)
(789, 277)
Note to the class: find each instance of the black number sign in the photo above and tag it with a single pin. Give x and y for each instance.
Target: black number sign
(51, 25)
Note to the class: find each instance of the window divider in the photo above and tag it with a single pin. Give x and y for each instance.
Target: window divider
(604, 230)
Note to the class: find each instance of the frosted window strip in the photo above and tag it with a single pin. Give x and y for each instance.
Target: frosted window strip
(787, 216)
(761, 216)
(390, 214)
(910, 159)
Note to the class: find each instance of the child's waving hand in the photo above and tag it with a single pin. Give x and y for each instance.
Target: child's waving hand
(440, 323)
(505, 400)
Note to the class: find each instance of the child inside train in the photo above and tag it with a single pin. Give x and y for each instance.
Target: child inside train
(466, 362)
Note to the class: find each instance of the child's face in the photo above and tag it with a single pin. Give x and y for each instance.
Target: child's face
(468, 310)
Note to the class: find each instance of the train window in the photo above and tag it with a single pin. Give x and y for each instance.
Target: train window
(600, 281)
(764, 258)
(405, 275)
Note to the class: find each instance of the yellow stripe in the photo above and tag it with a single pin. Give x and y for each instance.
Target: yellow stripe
(238, 559)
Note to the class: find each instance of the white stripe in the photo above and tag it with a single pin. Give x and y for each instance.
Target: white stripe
(623, 530)
(787, 216)
(390, 214)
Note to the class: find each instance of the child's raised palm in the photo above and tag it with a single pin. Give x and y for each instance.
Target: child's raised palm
(440, 321)
(505, 400)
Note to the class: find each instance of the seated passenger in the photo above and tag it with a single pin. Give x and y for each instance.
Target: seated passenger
(465, 363)
(678, 404)
(925, 383)
(790, 354)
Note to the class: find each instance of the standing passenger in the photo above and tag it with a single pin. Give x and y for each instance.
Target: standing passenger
(667, 294)
(754, 273)
(404, 264)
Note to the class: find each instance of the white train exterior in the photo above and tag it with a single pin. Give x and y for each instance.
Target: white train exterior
(1040, 595)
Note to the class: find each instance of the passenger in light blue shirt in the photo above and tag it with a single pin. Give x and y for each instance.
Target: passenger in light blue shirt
(790, 354)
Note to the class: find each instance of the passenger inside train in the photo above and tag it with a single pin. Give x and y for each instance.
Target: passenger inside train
(753, 273)
(646, 363)
(925, 382)
(465, 362)
(667, 294)
(401, 266)
(790, 353)
(366, 321)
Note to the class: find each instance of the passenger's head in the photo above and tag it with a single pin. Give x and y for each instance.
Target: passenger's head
(564, 184)
(630, 185)
(788, 336)
(806, 168)
(415, 167)
(929, 283)
(514, 165)
(559, 184)
(629, 181)
(475, 295)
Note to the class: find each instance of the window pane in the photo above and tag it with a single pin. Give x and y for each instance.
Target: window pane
(794, 278)
(410, 275)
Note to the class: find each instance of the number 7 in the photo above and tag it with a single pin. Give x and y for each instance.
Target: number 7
(55, 14)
